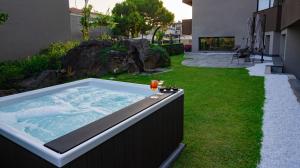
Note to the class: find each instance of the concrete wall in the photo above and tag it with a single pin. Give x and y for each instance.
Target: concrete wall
(292, 51)
(282, 44)
(218, 18)
(32, 25)
(274, 44)
(76, 28)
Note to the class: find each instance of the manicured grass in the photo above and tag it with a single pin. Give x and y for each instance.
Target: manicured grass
(223, 114)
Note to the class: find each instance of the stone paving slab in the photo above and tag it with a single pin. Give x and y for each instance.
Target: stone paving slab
(216, 60)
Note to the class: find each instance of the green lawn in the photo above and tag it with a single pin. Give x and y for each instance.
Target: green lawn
(223, 114)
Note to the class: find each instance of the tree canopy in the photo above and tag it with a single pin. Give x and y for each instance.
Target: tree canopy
(135, 17)
(127, 18)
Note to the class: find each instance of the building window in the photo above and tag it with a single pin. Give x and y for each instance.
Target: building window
(216, 43)
(266, 4)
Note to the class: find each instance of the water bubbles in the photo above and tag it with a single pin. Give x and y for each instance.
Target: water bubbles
(51, 116)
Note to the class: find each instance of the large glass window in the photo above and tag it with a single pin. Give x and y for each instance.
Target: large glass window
(216, 43)
(266, 4)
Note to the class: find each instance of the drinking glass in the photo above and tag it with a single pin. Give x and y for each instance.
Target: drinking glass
(154, 87)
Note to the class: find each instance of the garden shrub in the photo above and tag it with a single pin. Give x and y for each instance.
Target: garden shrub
(35, 64)
(165, 60)
(174, 49)
(60, 49)
(49, 58)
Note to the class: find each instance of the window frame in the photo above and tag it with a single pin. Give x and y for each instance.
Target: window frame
(270, 5)
(201, 48)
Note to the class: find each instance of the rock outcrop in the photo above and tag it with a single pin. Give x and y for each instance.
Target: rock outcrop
(99, 57)
(44, 79)
(85, 59)
(93, 59)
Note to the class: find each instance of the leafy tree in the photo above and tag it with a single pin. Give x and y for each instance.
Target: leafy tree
(3, 18)
(140, 16)
(86, 21)
(154, 13)
(103, 20)
(127, 18)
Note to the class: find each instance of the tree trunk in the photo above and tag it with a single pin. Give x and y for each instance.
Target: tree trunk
(155, 34)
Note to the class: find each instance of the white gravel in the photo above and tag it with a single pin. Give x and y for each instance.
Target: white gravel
(258, 69)
(281, 122)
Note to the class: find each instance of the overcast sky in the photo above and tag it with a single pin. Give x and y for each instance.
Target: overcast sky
(181, 11)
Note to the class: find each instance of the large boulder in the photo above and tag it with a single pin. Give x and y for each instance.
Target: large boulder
(85, 59)
(117, 61)
(44, 79)
(8, 92)
(137, 52)
(95, 58)
(98, 57)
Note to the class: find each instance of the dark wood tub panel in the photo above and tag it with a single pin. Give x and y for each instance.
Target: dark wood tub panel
(145, 144)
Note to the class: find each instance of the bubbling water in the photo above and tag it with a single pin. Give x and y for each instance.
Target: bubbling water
(51, 116)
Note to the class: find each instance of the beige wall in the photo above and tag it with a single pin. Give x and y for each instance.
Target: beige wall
(218, 18)
(76, 28)
(32, 25)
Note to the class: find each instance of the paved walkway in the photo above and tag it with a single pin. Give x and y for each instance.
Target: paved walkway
(281, 126)
(216, 60)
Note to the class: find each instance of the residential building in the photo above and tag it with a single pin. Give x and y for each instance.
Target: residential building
(218, 24)
(32, 25)
(215, 21)
(175, 28)
(282, 36)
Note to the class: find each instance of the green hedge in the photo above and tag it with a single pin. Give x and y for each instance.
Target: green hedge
(49, 58)
(165, 60)
(174, 49)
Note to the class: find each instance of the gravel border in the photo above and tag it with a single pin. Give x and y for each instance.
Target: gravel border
(281, 122)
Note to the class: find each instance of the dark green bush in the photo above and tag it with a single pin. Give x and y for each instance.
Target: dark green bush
(56, 50)
(165, 60)
(174, 49)
(35, 64)
(49, 58)
(10, 69)
(60, 49)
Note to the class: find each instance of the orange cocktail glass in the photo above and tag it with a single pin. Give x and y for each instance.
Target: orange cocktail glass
(154, 85)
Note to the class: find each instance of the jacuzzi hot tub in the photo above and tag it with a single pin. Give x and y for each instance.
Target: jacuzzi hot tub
(91, 123)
